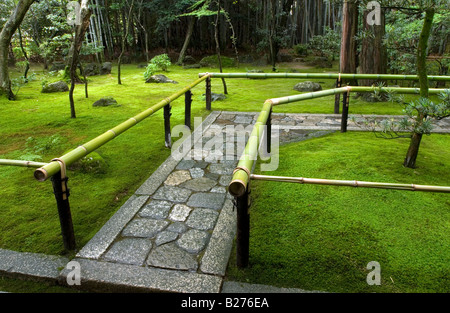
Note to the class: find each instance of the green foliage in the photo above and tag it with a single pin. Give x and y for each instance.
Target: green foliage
(159, 62)
(326, 45)
(322, 237)
(300, 49)
(213, 61)
(36, 147)
(419, 115)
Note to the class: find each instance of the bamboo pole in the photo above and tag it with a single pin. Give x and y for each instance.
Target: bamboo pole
(352, 183)
(22, 163)
(346, 76)
(50, 169)
(242, 172)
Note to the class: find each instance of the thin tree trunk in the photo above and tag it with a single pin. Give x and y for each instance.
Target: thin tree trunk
(348, 42)
(124, 38)
(413, 150)
(186, 40)
(74, 52)
(216, 37)
(6, 34)
(373, 59)
(27, 65)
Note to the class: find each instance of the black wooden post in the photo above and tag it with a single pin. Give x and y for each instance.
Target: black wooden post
(65, 217)
(337, 97)
(187, 108)
(167, 114)
(208, 94)
(269, 132)
(243, 229)
(344, 119)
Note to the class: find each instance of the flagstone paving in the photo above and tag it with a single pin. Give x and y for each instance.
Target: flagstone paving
(175, 234)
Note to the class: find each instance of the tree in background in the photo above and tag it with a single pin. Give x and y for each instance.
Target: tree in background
(8, 30)
(73, 58)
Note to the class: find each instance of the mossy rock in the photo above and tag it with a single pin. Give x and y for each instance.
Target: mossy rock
(213, 61)
(59, 86)
(105, 102)
(92, 163)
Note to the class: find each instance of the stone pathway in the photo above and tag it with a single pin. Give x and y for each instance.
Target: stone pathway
(175, 234)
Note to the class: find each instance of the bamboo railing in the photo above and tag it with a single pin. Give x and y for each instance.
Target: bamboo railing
(50, 169)
(22, 163)
(345, 76)
(241, 175)
(351, 183)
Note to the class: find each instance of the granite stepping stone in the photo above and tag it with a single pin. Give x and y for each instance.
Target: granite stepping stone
(177, 177)
(202, 219)
(171, 256)
(156, 209)
(207, 200)
(144, 227)
(179, 213)
(172, 193)
(129, 251)
(193, 241)
(165, 237)
(199, 184)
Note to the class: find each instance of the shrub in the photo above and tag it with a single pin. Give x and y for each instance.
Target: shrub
(301, 49)
(159, 62)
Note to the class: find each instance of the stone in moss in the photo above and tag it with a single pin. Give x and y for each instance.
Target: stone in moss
(92, 163)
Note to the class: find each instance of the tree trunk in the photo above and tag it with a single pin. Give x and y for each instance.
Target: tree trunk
(186, 40)
(216, 37)
(6, 34)
(348, 42)
(74, 52)
(373, 59)
(124, 38)
(27, 65)
(413, 150)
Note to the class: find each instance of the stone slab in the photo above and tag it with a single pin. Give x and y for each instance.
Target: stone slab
(206, 200)
(173, 257)
(171, 193)
(202, 219)
(217, 254)
(157, 209)
(115, 277)
(32, 265)
(144, 228)
(112, 228)
(129, 251)
(193, 241)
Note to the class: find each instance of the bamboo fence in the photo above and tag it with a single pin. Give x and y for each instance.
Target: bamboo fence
(351, 183)
(22, 163)
(344, 76)
(243, 171)
(50, 169)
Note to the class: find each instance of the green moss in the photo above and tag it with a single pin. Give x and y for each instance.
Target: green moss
(28, 214)
(322, 237)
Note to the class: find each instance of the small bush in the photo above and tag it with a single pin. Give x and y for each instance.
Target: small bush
(159, 62)
(300, 49)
